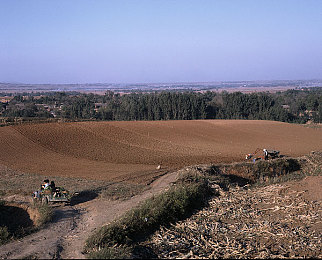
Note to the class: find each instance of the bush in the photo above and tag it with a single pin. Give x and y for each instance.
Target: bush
(46, 214)
(260, 171)
(276, 169)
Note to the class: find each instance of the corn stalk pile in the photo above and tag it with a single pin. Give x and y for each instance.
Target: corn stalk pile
(264, 222)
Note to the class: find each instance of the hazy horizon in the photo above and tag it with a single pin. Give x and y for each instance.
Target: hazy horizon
(150, 42)
(166, 83)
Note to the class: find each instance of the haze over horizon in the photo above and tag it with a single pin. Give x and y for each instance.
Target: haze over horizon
(159, 41)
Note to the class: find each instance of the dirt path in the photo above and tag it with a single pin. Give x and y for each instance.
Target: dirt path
(72, 225)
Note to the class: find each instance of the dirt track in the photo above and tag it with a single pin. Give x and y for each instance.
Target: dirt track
(65, 237)
(132, 150)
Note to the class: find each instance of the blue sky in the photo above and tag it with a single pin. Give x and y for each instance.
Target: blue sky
(140, 41)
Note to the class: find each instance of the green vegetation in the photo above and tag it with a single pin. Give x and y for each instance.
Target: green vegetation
(260, 171)
(45, 215)
(175, 204)
(296, 106)
(120, 252)
(271, 170)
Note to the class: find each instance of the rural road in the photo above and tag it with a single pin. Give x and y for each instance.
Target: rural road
(65, 236)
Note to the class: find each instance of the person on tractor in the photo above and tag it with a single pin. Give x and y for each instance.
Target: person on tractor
(54, 189)
(45, 185)
(53, 185)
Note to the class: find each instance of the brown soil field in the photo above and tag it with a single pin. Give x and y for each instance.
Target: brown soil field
(132, 150)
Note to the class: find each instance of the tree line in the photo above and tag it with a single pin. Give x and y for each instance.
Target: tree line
(296, 106)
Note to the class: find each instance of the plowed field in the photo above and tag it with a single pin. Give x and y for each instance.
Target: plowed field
(133, 150)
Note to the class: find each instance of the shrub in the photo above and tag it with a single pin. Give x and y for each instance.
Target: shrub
(266, 170)
(45, 214)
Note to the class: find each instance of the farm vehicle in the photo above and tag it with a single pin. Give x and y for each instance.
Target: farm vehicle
(46, 196)
(267, 154)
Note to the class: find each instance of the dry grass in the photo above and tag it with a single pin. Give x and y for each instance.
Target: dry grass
(122, 191)
(260, 223)
(281, 220)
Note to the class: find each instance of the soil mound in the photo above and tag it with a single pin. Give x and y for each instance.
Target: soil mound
(16, 220)
(133, 150)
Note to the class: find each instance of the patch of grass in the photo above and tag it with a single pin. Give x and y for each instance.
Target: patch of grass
(266, 170)
(175, 204)
(260, 171)
(45, 214)
(112, 253)
(297, 175)
(121, 191)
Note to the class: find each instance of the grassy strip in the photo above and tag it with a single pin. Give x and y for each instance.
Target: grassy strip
(119, 252)
(46, 215)
(175, 204)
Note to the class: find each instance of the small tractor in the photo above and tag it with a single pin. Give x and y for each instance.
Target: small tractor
(268, 154)
(48, 195)
(271, 154)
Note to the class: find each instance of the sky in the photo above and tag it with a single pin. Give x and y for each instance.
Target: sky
(155, 41)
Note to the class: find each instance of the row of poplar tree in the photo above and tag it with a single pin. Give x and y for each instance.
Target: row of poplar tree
(297, 106)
